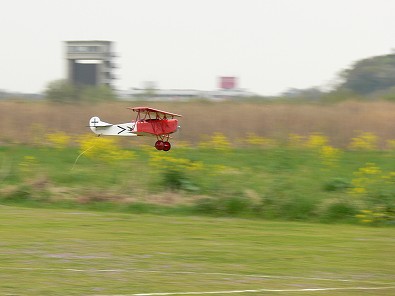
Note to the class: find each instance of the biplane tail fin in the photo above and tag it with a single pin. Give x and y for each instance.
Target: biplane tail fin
(96, 122)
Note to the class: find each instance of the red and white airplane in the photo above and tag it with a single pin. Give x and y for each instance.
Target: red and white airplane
(148, 121)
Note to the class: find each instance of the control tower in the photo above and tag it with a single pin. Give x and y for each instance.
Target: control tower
(90, 62)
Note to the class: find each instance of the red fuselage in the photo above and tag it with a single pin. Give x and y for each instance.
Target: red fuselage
(157, 126)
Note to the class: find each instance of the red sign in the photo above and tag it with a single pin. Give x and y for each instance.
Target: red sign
(228, 82)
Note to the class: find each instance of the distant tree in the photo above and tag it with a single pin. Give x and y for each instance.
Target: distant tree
(63, 91)
(97, 94)
(370, 75)
(312, 93)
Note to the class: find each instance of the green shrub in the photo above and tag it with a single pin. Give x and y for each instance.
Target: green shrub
(337, 184)
(21, 194)
(235, 205)
(175, 179)
(297, 208)
(337, 209)
(224, 206)
(206, 205)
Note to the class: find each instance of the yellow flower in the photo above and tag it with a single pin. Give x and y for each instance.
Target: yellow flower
(390, 178)
(358, 190)
(329, 155)
(376, 215)
(59, 140)
(365, 141)
(183, 144)
(316, 140)
(217, 141)
(295, 140)
(370, 169)
(28, 164)
(159, 160)
(104, 149)
(255, 140)
(391, 144)
(365, 178)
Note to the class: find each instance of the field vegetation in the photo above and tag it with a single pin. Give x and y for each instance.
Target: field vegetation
(22, 122)
(310, 162)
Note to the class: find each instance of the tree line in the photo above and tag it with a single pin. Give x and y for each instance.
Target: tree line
(64, 92)
(369, 78)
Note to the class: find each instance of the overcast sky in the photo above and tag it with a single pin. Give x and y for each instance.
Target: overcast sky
(271, 45)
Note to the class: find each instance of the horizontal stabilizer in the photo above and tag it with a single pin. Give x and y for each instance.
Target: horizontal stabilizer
(96, 122)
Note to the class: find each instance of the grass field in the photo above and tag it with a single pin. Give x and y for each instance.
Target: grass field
(68, 252)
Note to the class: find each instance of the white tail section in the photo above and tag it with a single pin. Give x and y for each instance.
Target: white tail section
(96, 122)
(108, 129)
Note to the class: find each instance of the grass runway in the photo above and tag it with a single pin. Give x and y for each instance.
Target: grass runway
(69, 252)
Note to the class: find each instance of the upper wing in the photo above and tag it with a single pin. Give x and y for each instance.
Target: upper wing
(147, 110)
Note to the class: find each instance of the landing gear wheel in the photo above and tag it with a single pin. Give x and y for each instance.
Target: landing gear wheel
(159, 145)
(166, 146)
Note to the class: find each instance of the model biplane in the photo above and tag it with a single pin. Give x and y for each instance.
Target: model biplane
(148, 121)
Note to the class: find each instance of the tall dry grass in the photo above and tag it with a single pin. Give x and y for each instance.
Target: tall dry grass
(24, 122)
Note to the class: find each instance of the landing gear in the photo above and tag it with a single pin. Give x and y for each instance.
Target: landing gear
(162, 145)
(163, 142)
(166, 146)
(159, 145)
